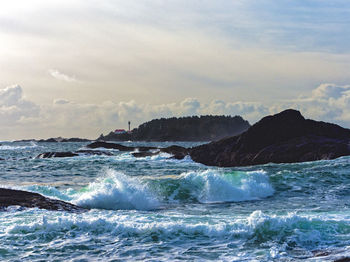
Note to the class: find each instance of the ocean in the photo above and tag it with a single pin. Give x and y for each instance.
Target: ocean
(161, 209)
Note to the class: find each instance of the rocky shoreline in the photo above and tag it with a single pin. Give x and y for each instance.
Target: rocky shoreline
(286, 137)
(11, 197)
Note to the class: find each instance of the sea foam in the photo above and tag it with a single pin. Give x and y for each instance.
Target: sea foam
(211, 186)
(117, 191)
(9, 147)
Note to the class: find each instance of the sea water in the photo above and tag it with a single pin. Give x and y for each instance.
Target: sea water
(161, 209)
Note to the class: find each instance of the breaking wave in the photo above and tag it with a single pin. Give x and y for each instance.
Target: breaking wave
(306, 232)
(9, 147)
(116, 190)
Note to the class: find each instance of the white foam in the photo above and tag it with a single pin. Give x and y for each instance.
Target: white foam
(211, 186)
(305, 230)
(118, 191)
(8, 147)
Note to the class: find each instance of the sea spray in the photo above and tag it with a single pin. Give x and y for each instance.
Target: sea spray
(10, 146)
(117, 191)
(213, 186)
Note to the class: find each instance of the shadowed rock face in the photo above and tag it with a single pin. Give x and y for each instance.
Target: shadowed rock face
(178, 152)
(100, 144)
(282, 138)
(56, 154)
(72, 154)
(10, 197)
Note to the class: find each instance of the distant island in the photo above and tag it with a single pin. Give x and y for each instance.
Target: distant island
(193, 128)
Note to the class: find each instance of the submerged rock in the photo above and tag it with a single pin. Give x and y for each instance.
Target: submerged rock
(178, 152)
(11, 197)
(72, 154)
(144, 154)
(56, 154)
(286, 137)
(100, 144)
(94, 152)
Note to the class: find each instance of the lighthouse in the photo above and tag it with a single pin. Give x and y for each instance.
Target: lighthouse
(129, 125)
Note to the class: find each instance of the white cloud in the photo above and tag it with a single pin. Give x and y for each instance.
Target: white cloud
(25, 119)
(13, 109)
(10, 95)
(61, 76)
(330, 91)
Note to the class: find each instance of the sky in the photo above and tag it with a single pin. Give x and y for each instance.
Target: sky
(79, 68)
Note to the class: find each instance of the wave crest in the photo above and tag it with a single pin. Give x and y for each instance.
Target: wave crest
(117, 191)
(212, 186)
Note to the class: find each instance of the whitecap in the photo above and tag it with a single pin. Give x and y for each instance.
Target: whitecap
(118, 191)
(212, 186)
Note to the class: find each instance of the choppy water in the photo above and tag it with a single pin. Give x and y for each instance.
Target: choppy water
(158, 209)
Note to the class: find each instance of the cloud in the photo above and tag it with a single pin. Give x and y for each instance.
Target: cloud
(60, 76)
(25, 119)
(10, 95)
(330, 91)
(61, 101)
(13, 109)
(329, 102)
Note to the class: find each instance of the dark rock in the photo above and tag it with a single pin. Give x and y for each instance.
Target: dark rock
(94, 152)
(1, 159)
(75, 139)
(286, 137)
(145, 148)
(343, 259)
(50, 140)
(101, 144)
(10, 197)
(144, 154)
(72, 154)
(56, 154)
(178, 152)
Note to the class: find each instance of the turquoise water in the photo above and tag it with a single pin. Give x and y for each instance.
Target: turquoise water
(157, 209)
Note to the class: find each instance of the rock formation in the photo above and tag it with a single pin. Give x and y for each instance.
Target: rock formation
(286, 137)
(11, 197)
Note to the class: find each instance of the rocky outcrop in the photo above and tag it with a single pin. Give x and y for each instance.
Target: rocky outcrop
(101, 144)
(72, 154)
(93, 152)
(286, 137)
(11, 197)
(56, 154)
(178, 152)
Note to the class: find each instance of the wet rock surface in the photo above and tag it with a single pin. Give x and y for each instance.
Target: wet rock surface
(56, 154)
(178, 152)
(73, 154)
(11, 197)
